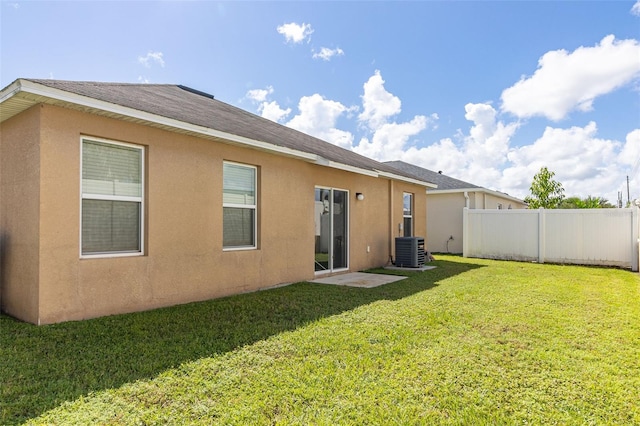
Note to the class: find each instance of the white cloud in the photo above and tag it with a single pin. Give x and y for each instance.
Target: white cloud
(386, 140)
(390, 139)
(565, 81)
(488, 140)
(143, 80)
(151, 57)
(326, 54)
(272, 111)
(630, 153)
(295, 33)
(583, 163)
(378, 104)
(635, 10)
(477, 158)
(259, 95)
(318, 117)
(267, 109)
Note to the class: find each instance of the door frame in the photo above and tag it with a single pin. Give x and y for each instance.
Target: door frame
(330, 269)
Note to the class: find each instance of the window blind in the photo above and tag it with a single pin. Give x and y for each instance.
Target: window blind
(112, 190)
(239, 205)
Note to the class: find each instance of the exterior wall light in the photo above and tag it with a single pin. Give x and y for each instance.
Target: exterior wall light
(359, 196)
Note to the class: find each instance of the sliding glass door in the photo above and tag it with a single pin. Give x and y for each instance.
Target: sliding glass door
(332, 226)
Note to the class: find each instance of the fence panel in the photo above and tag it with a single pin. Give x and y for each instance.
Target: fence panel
(502, 234)
(606, 237)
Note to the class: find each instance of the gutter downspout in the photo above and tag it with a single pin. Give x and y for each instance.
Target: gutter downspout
(466, 199)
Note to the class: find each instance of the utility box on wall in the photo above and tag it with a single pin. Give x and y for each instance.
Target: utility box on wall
(410, 252)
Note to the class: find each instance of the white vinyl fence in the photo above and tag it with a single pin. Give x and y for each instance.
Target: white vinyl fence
(605, 237)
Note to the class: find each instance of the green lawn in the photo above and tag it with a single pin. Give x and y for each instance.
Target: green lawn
(470, 342)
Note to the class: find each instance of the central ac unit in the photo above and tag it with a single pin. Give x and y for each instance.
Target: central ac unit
(410, 252)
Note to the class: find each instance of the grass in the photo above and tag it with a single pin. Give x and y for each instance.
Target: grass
(470, 342)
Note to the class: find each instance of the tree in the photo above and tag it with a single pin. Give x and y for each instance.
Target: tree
(545, 192)
(603, 203)
(570, 203)
(585, 203)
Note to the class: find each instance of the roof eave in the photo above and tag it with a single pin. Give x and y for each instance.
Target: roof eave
(52, 95)
(22, 94)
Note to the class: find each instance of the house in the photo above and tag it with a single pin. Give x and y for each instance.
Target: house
(445, 204)
(117, 198)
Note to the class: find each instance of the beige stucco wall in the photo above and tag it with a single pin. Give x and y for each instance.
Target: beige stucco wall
(184, 260)
(19, 214)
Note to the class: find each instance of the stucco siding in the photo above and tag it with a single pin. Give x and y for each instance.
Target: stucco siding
(19, 214)
(184, 260)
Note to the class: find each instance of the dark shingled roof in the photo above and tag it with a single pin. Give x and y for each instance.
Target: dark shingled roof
(197, 108)
(444, 182)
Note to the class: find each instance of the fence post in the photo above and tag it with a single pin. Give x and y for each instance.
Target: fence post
(541, 235)
(465, 231)
(635, 239)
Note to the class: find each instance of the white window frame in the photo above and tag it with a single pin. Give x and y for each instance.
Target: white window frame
(409, 216)
(253, 207)
(139, 199)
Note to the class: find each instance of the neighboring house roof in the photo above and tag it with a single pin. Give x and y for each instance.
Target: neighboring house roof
(181, 109)
(445, 183)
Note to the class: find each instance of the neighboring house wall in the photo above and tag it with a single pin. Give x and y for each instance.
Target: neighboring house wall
(44, 280)
(484, 200)
(444, 220)
(444, 216)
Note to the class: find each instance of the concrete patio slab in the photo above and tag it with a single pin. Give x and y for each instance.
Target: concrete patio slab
(359, 279)
(402, 268)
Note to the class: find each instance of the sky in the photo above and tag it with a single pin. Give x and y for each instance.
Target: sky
(485, 91)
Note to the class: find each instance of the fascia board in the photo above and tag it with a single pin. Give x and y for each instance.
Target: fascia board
(10, 91)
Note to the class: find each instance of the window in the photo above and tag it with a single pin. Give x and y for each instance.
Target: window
(407, 213)
(239, 206)
(112, 198)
